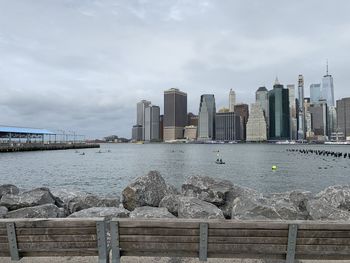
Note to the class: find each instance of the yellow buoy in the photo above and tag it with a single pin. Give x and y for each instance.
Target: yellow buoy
(274, 167)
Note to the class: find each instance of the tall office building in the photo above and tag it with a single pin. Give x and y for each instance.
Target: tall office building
(175, 114)
(279, 128)
(256, 125)
(301, 112)
(242, 110)
(315, 93)
(319, 122)
(192, 120)
(332, 120)
(232, 100)
(308, 128)
(227, 126)
(293, 113)
(161, 127)
(140, 118)
(152, 117)
(262, 98)
(343, 117)
(137, 133)
(206, 121)
(328, 89)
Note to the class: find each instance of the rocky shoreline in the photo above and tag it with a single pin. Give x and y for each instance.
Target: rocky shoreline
(149, 196)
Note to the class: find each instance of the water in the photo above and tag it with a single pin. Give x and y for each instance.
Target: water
(109, 172)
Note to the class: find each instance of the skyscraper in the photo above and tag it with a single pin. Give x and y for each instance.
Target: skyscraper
(175, 114)
(279, 127)
(301, 113)
(328, 89)
(315, 93)
(140, 118)
(152, 118)
(319, 115)
(227, 126)
(256, 125)
(206, 122)
(262, 98)
(343, 117)
(232, 100)
(242, 110)
(293, 114)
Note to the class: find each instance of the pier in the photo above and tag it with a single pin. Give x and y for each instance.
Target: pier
(45, 147)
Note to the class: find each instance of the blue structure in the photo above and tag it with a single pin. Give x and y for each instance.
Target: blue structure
(8, 133)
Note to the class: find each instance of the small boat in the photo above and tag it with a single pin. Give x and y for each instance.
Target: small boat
(219, 161)
(82, 154)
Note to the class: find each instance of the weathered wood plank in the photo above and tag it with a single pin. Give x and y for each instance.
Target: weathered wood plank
(3, 239)
(159, 231)
(158, 224)
(315, 225)
(248, 233)
(57, 238)
(247, 248)
(159, 254)
(248, 225)
(251, 256)
(161, 247)
(56, 224)
(322, 257)
(4, 253)
(4, 246)
(248, 240)
(167, 239)
(323, 241)
(55, 231)
(323, 234)
(60, 252)
(323, 249)
(47, 246)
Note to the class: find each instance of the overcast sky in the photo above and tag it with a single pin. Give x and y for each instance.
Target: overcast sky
(82, 65)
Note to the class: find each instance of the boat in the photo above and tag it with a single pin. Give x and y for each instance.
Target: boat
(219, 161)
(338, 143)
(286, 142)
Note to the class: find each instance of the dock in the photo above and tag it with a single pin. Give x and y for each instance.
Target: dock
(24, 147)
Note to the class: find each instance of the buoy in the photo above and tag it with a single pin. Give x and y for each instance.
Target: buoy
(274, 167)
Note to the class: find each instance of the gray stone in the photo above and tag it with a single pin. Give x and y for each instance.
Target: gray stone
(146, 190)
(207, 189)
(191, 207)
(150, 212)
(171, 202)
(74, 201)
(106, 212)
(252, 208)
(41, 211)
(320, 210)
(8, 189)
(3, 211)
(35, 197)
(337, 196)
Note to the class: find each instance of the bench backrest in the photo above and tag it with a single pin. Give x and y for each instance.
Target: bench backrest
(230, 239)
(53, 237)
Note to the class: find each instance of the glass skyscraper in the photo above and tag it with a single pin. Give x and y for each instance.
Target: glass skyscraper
(315, 93)
(279, 128)
(206, 121)
(328, 89)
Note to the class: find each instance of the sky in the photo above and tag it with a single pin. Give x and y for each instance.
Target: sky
(82, 65)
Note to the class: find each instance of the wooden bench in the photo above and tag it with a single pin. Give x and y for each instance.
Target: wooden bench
(230, 239)
(53, 238)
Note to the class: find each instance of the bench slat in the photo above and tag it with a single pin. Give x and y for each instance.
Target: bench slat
(54, 245)
(60, 252)
(179, 247)
(55, 224)
(323, 234)
(159, 231)
(247, 233)
(55, 231)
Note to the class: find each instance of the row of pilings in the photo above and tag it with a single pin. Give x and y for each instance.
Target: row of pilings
(321, 153)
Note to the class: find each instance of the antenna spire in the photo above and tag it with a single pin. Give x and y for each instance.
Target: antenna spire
(327, 68)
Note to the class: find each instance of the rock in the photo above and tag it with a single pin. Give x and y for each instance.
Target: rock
(300, 198)
(337, 196)
(252, 208)
(75, 201)
(146, 190)
(8, 189)
(207, 189)
(150, 212)
(171, 202)
(320, 210)
(35, 197)
(3, 211)
(191, 207)
(40, 211)
(107, 212)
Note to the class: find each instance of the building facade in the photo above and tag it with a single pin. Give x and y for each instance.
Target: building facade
(191, 132)
(228, 126)
(232, 100)
(140, 118)
(152, 117)
(137, 133)
(262, 98)
(343, 117)
(319, 119)
(315, 93)
(206, 121)
(256, 125)
(279, 128)
(192, 119)
(301, 109)
(175, 114)
(293, 113)
(242, 110)
(328, 89)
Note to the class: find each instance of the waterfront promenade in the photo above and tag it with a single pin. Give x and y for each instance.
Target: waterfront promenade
(45, 147)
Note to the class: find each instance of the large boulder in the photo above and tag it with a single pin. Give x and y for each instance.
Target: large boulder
(191, 207)
(106, 212)
(252, 208)
(35, 197)
(320, 210)
(40, 211)
(150, 212)
(8, 189)
(171, 202)
(3, 211)
(207, 189)
(337, 196)
(74, 201)
(146, 190)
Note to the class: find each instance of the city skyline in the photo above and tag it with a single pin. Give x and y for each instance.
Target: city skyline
(79, 65)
